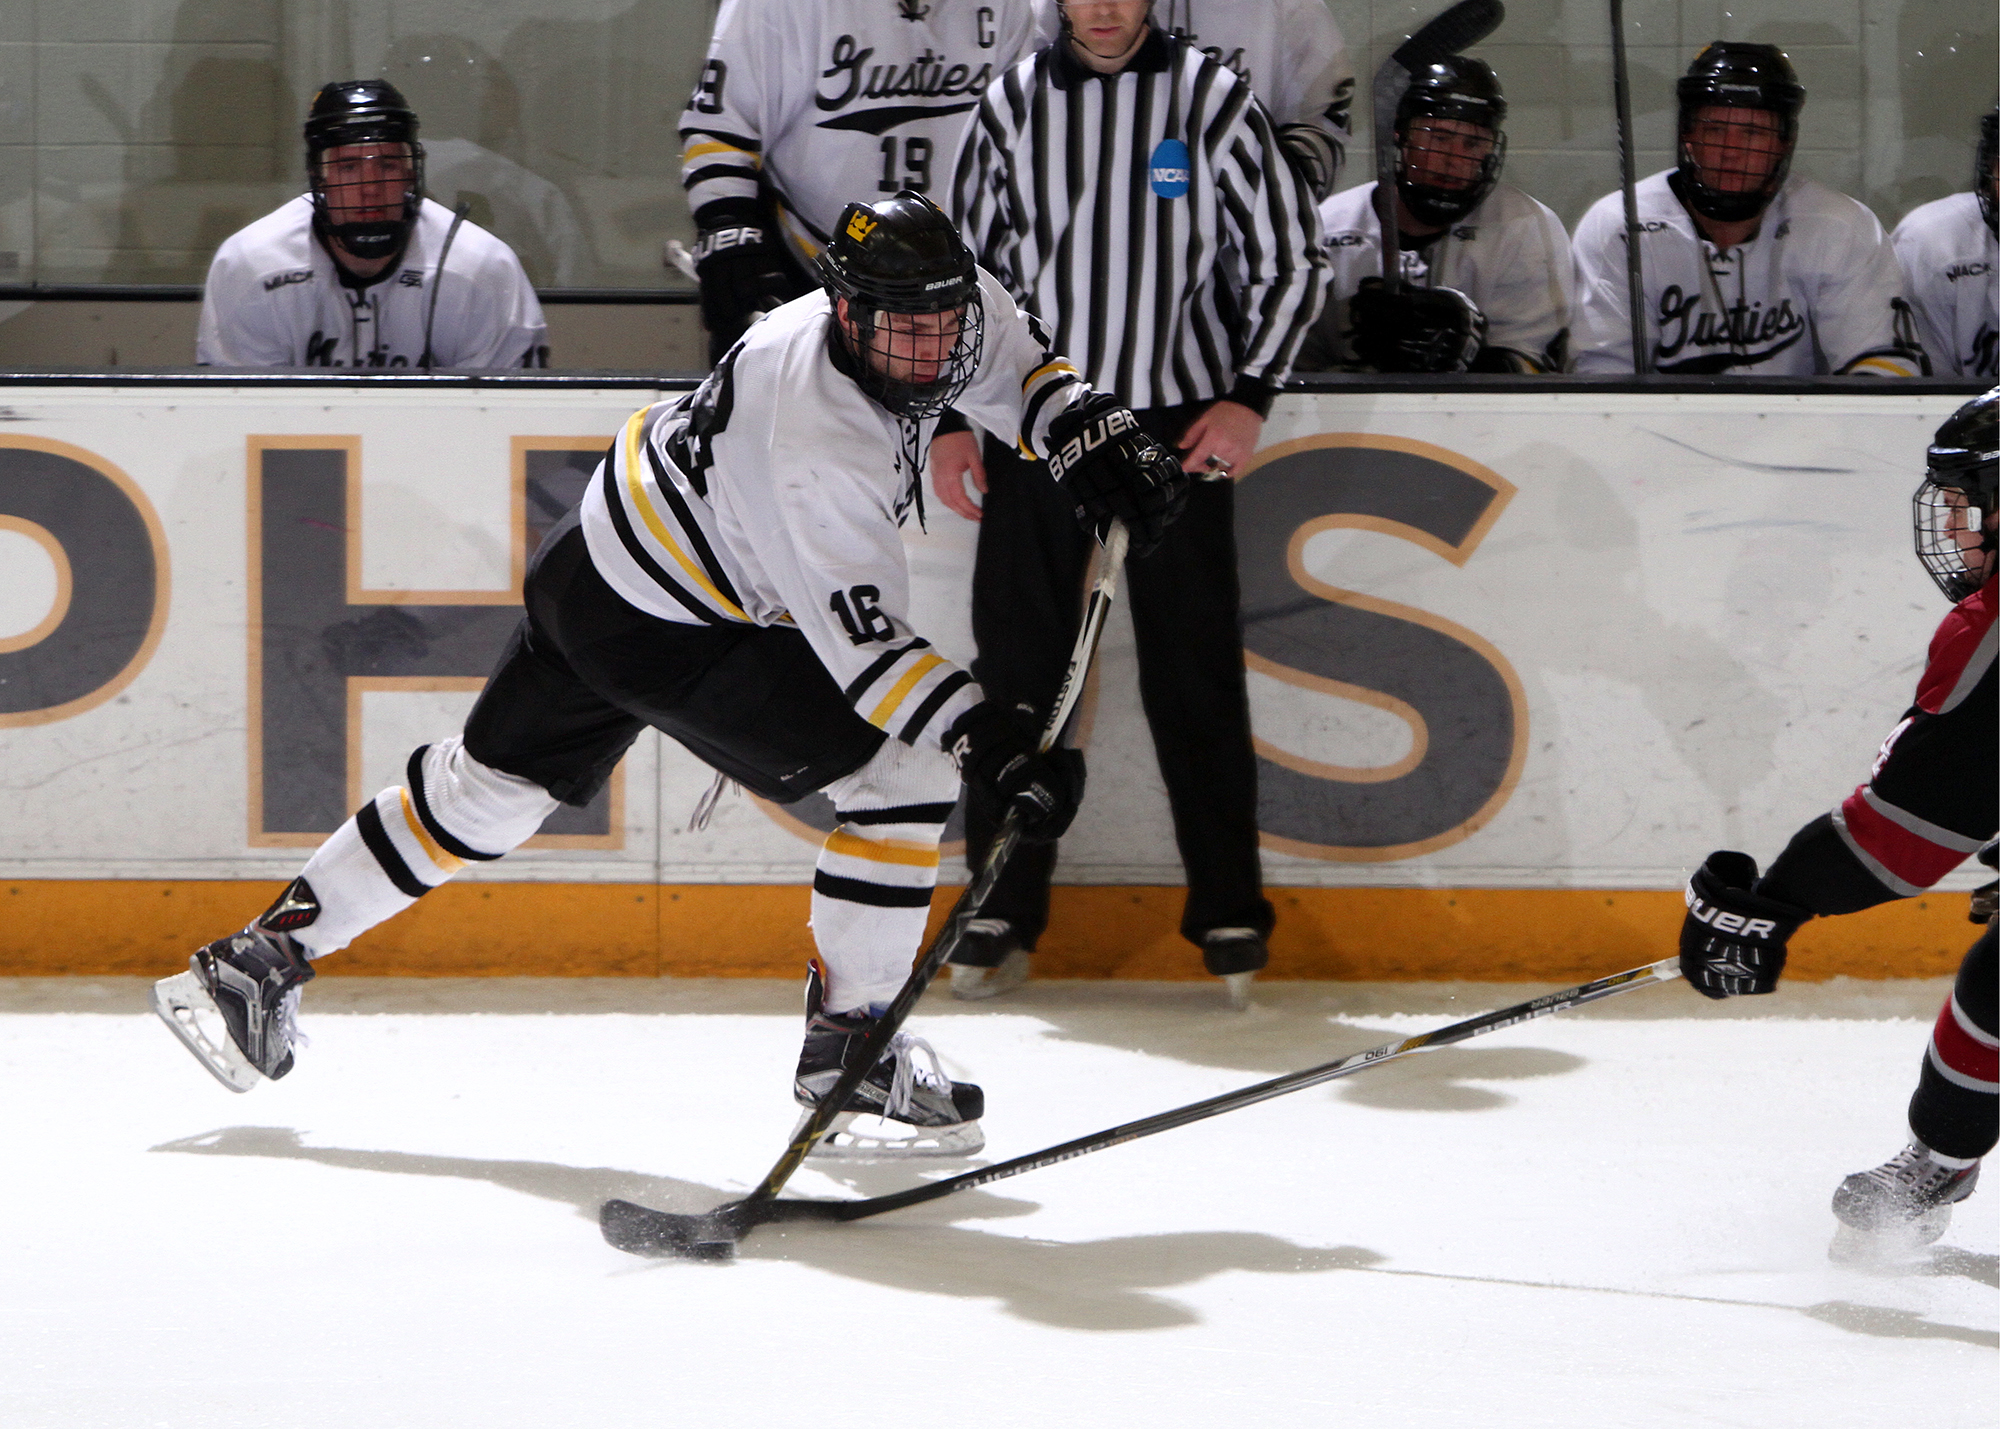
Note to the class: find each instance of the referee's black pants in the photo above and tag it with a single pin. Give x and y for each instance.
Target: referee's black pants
(1027, 595)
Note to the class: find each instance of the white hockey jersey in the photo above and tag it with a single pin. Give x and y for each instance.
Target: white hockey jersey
(1951, 264)
(275, 299)
(1290, 53)
(1509, 255)
(840, 101)
(773, 495)
(1815, 290)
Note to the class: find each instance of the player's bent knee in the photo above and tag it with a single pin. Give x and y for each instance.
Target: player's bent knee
(898, 777)
(474, 811)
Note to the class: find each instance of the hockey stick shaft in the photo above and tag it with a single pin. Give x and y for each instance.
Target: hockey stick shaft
(969, 902)
(1446, 33)
(1635, 287)
(1665, 970)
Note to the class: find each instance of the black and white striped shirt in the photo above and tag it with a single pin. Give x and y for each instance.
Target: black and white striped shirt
(1149, 217)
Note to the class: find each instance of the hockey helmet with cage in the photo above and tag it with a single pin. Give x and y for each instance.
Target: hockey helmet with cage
(914, 319)
(1736, 74)
(1460, 89)
(1983, 167)
(362, 111)
(1961, 477)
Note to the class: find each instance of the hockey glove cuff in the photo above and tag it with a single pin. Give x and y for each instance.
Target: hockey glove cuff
(1115, 472)
(1733, 940)
(743, 275)
(994, 746)
(1415, 329)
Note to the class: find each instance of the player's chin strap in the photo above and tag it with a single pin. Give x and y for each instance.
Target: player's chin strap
(437, 279)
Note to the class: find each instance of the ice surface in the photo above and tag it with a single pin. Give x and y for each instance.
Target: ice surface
(1599, 1219)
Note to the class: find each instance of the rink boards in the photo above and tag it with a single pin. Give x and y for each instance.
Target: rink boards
(1516, 661)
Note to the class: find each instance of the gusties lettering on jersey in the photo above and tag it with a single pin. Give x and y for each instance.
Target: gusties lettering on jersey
(1742, 325)
(927, 76)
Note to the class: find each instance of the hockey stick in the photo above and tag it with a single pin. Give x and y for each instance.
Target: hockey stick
(712, 1235)
(1635, 288)
(1466, 23)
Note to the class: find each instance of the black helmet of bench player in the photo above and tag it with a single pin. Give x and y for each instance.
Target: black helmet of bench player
(1746, 164)
(356, 112)
(1984, 167)
(1955, 503)
(906, 303)
(1443, 173)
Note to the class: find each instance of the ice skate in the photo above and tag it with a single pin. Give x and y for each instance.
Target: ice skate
(1236, 955)
(908, 1109)
(236, 1006)
(988, 960)
(1899, 1206)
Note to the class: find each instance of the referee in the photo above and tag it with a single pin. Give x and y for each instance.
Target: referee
(1133, 195)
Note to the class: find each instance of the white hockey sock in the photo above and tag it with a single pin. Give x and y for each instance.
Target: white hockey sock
(872, 887)
(408, 840)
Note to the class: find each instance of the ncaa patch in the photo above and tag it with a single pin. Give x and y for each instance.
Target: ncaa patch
(1170, 169)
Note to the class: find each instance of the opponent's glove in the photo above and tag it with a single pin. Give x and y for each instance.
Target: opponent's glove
(1115, 472)
(1414, 329)
(1732, 940)
(743, 275)
(994, 745)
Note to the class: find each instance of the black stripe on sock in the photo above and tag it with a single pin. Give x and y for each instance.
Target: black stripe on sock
(377, 838)
(901, 814)
(414, 781)
(933, 702)
(875, 895)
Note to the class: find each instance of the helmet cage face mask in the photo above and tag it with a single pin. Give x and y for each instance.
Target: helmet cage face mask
(1737, 75)
(915, 364)
(370, 113)
(1444, 174)
(1957, 497)
(1983, 181)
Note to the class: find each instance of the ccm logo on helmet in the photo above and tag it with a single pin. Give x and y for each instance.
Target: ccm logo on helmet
(1729, 922)
(1090, 439)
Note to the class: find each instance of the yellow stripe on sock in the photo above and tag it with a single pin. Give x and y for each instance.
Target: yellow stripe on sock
(447, 863)
(904, 851)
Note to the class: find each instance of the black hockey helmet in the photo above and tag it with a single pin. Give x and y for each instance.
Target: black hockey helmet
(902, 258)
(1452, 88)
(1961, 477)
(1983, 166)
(1737, 74)
(362, 111)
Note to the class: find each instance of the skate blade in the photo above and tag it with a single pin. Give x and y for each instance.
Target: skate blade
(880, 1139)
(1237, 987)
(1854, 1246)
(187, 1009)
(977, 984)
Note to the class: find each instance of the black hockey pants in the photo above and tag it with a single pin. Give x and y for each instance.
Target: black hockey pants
(1950, 1112)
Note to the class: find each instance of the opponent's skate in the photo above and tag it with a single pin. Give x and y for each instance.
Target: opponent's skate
(912, 1110)
(236, 1007)
(988, 960)
(1898, 1206)
(1236, 955)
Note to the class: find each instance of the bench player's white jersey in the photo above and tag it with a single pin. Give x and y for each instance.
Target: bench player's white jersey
(275, 299)
(1951, 263)
(774, 495)
(1290, 53)
(1815, 290)
(1509, 255)
(840, 101)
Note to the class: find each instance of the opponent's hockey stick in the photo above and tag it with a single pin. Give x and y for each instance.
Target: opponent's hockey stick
(712, 1235)
(758, 1206)
(1635, 288)
(1466, 23)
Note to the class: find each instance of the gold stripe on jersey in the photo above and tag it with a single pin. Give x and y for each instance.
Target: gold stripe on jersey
(712, 146)
(636, 492)
(1059, 365)
(903, 851)
(900, 691)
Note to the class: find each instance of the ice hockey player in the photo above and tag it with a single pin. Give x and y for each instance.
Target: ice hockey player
(800, 108)
(363, 270)
(734, 577)
(1929, 803)
(1747, 268)
(1950, 252)
(1486, 269)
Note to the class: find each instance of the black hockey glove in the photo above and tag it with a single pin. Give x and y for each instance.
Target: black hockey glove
(743, 275)
(1732, 940)
(1115, 472)
(1416, 329)
(994, 745)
